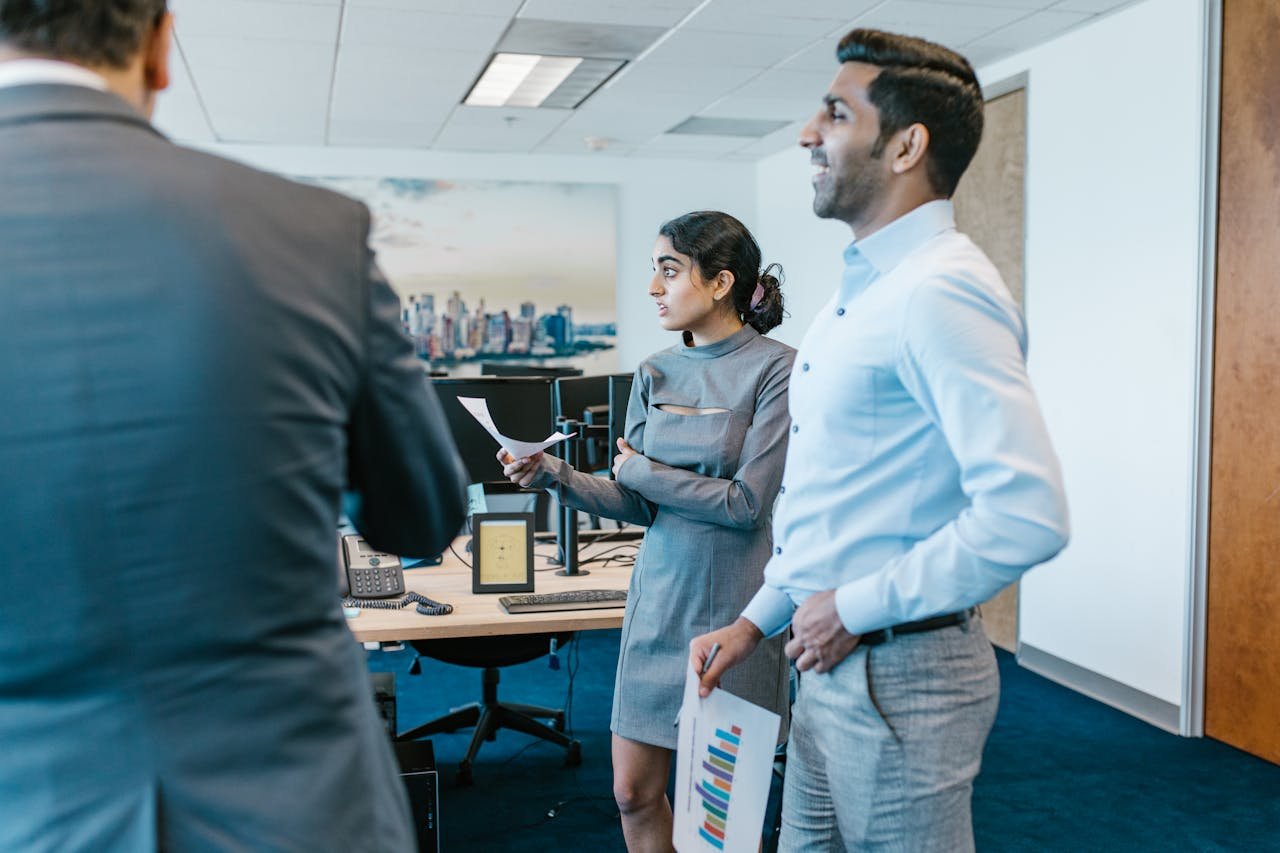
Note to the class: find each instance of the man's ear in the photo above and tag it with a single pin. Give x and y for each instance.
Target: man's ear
(155, 54)
(909, 148)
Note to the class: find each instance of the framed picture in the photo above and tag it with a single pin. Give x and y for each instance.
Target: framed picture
(502, 552)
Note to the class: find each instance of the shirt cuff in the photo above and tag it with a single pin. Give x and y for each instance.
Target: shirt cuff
(770, 610)
(859, 606)
(551, 473)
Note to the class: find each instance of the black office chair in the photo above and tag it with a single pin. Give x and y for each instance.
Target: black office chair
(490, 654)
(489, 714)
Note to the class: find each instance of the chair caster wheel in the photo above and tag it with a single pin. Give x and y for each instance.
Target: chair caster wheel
(573, 757)
(463, 778)
(558, 725)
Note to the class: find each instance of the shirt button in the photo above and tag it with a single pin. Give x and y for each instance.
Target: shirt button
(778, 549)
(795, 428)
(839, 312)
(782, 490)
(805, 367)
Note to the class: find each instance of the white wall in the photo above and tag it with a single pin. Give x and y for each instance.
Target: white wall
(808, 248)
(649, 191)
(1115, 147)
(1112, 263)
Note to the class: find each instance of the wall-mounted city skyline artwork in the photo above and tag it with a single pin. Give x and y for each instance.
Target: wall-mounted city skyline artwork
(497, 270)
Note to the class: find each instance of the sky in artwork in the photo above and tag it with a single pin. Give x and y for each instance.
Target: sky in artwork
(506, 241)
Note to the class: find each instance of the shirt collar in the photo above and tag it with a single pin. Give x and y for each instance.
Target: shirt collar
(885, 248)
(22, 72)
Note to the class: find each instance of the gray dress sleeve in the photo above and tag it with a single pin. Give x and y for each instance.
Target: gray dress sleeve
(598, 495)
(744, 501)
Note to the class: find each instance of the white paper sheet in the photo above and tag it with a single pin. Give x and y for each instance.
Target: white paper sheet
(724, 764)
(479, 410)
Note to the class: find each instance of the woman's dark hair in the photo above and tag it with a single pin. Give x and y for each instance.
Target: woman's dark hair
(922, 82)
(90, 32)
(716, 241)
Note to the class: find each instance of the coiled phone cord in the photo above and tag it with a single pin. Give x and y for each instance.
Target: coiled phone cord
(426, 606)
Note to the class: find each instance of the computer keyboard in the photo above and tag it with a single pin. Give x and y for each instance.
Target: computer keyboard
(576, 599)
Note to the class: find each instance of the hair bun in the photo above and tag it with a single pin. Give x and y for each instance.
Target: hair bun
(766, 303)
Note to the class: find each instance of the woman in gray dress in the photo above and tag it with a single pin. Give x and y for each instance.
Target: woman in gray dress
(700, 465)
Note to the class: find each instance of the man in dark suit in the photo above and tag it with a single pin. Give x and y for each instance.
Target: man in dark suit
(196, 358)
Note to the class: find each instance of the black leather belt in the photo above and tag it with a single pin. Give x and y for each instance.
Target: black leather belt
(933, 623)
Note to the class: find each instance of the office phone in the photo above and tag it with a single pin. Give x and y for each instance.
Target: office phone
(368, 572)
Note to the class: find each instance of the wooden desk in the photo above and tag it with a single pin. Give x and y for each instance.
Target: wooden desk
(481, 615)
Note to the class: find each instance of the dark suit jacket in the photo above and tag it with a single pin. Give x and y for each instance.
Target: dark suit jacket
(195, 358)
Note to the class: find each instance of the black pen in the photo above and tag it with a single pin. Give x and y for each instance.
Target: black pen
(706, 665)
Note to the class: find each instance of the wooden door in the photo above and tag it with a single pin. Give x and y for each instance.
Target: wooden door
(1242, 659)
(990, 209)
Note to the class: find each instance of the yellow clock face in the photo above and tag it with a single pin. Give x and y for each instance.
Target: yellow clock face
(503, 552)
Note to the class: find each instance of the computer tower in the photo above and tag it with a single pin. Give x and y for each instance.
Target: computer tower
(421, 781)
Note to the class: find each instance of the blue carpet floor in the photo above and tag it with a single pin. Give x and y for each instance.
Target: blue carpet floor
(1061, 772)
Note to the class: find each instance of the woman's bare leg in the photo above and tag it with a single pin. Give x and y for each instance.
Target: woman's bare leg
(640, 772)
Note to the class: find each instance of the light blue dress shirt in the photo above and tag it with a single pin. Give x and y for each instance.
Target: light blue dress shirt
(919, 479)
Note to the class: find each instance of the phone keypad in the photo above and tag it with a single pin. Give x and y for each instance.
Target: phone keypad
(376, 582)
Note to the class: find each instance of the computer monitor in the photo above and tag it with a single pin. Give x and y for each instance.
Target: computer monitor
(586, 399)
(619, 397)
(506, 368)
(573, 395)
(520, 406)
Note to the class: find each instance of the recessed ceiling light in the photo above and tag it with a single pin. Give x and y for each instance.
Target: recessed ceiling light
(520, 79)
(535, 80)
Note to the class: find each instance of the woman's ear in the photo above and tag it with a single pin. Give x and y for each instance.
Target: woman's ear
(723, 285)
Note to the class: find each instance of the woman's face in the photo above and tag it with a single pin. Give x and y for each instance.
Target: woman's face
(685, 301)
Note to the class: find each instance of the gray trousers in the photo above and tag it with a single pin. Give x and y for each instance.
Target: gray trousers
(884, 748)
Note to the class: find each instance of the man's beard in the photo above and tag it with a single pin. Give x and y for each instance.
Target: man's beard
(850, 199)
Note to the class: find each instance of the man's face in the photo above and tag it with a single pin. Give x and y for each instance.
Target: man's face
(851, 176)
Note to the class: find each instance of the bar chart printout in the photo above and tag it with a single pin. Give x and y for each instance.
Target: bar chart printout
(724, 762)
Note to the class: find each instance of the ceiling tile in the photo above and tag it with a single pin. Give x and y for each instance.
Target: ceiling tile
(700, 49)
(735, 106)
(819, 56)
(678, 143)
(1033, 30)
(386, 133)
(385, 82)
(654, 13)
(490, 8)
(950, 24)
(260, 91)
(249, 19)
(565, 38)
(422, 30)
(729, 18)
(498, 129)
(780, 140)
(805, 86)
(1096, 7)
(711, 81)
(831, 10)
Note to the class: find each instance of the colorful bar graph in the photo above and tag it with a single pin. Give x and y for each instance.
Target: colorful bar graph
(717, 785)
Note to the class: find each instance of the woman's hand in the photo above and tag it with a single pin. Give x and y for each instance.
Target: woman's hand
(625, 452)
(520, 471)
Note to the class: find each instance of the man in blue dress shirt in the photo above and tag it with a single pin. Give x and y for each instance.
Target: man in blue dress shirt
(920, 479)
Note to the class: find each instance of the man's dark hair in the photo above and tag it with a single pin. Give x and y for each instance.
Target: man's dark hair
(89, 32)
(926, 83)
